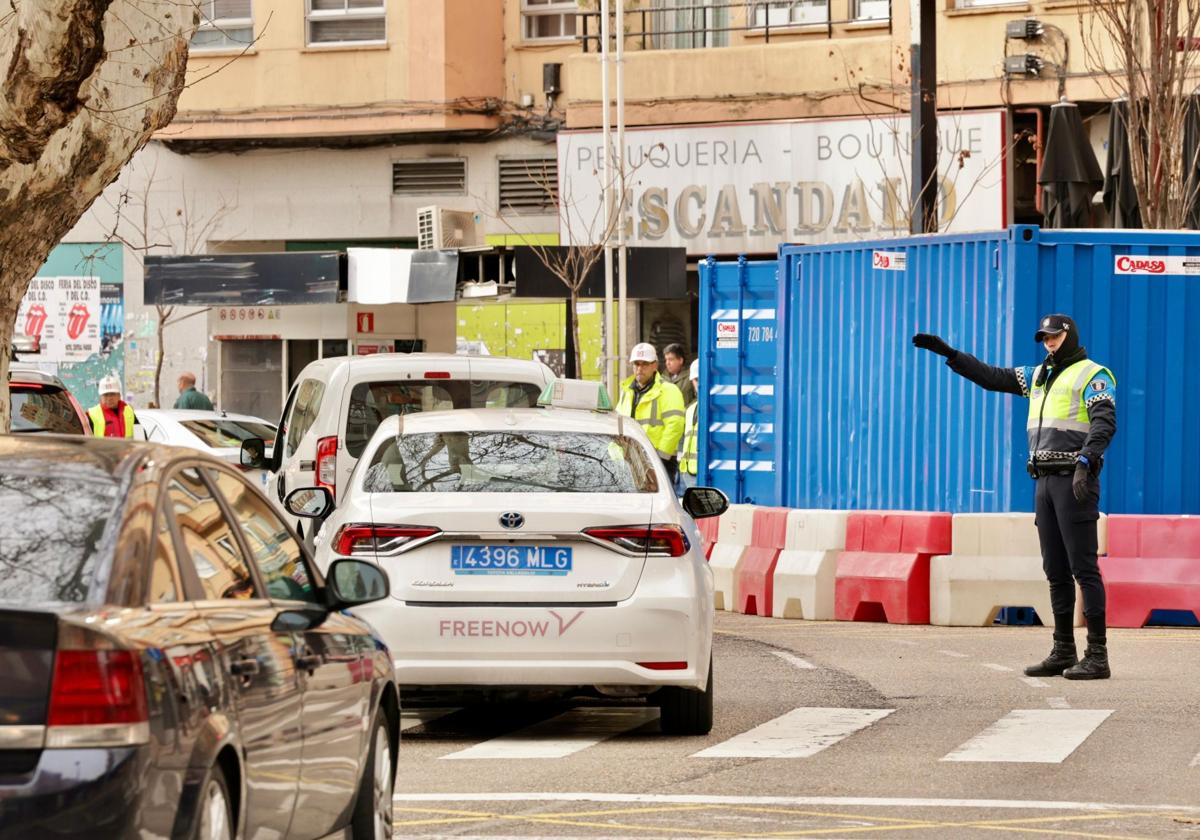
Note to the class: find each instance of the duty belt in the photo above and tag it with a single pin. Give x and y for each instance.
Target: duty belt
(1040, 469)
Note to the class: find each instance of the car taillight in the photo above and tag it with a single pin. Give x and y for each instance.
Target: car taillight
(378, 539)
(327, 464)
(97, 699)
(437, 374)
(656, 540)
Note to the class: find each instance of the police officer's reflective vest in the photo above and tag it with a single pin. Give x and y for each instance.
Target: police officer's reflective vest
(1058, 421)
(660, 413)
(96, 415)
(689, 461)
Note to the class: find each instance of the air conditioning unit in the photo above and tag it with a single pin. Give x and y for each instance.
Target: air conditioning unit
(439, 228)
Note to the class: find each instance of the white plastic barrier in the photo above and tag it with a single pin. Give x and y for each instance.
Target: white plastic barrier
(804, 574)
(733, 536)
(996, 563)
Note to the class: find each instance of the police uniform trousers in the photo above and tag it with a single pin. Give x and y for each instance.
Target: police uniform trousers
(1067, 532)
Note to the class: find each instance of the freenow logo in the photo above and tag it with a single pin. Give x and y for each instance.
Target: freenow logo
(1140, 265)
(487, 628)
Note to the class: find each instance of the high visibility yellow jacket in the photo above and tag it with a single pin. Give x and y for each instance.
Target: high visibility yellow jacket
(1058, 421)
(660, 413)
(96, 415)
(689, 458)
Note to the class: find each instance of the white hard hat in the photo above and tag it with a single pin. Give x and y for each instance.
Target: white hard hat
(110, 385)
(695, 372)
(643, 353)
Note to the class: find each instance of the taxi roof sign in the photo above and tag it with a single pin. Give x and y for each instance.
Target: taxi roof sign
(576, 393)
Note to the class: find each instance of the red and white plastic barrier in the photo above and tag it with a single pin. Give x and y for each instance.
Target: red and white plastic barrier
(1153, 563)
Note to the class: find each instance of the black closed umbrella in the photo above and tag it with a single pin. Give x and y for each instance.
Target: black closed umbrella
(1120, 197)
(1070, 175)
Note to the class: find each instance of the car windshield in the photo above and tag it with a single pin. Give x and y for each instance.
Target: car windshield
(373, 402)
(229, 434)
(510, 462)
(48, 550)
(43, 408)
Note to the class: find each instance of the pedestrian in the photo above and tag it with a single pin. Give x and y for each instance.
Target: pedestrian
(189, 397)
(1072, 419)
(675, 360)
(689, 459)
(113, 417)
(655, 404)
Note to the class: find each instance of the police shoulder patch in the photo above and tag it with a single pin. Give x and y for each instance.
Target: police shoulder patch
(1099, 385)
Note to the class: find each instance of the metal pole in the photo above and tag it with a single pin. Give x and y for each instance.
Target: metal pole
(622, 257)
(923, 59)
(610, 378)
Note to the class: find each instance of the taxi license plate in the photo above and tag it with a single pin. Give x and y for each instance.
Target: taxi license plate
(509, 560)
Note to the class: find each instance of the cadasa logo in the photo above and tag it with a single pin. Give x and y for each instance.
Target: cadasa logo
(1134, 265)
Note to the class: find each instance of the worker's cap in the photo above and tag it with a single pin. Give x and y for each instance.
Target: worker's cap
(1053, 325)
(695, 373)
(110, 385)
(643, 353)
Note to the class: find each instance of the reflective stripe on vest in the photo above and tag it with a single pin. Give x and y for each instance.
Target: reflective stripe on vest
(1061, 412)
(689, 462)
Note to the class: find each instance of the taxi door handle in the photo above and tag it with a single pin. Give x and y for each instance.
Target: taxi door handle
(243, 667)
(309, 662)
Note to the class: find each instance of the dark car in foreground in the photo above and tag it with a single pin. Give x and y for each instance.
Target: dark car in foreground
(172, 663)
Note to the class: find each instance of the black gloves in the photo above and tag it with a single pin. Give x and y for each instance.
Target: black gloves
(1079, 482)
(924, 341)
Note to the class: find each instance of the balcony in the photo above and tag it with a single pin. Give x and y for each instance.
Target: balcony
(693, 24)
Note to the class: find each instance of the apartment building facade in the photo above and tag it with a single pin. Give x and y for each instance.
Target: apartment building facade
(325, 124)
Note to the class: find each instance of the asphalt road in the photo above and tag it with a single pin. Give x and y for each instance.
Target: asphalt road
(836, 730)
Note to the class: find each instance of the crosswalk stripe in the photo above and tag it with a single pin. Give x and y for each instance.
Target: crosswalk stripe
(410, 718)
(1038, 736)
(563, 735)
(1195, 761)
(996, 667)
(800, 733)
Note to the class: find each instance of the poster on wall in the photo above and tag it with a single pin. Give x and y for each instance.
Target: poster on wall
(63, 315)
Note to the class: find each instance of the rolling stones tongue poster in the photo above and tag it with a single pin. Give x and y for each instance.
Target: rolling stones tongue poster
(64, 314)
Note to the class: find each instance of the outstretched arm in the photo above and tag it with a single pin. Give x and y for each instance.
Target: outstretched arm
(1006, 380)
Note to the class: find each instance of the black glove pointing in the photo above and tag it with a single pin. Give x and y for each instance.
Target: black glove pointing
(925, 341)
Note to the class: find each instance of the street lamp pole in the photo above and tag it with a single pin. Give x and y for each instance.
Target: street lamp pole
(606, 196)
(923, 61)
(622, 265)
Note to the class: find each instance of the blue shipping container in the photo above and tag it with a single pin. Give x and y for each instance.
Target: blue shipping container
(865, 421)
(738, 350)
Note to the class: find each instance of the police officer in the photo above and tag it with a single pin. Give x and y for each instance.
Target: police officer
(1072, 419)
(655, 403)
(689, 457)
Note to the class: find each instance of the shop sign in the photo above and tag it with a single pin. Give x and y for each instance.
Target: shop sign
(748, 187)
(229, 314)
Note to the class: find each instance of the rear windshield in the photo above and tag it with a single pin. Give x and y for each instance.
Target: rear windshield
(229, 434)
(510, 462)
(44, 409)
(49, 546)
(373, 402)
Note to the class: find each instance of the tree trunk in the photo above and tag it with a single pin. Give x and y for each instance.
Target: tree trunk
(158, 356)
(573, 362)
(86, 83)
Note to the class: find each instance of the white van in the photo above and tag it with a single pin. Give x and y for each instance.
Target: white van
(336, 404)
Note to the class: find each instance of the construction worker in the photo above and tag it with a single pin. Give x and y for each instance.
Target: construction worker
(656, 404)
(113, 417)
(1072, 419)
(689, 459)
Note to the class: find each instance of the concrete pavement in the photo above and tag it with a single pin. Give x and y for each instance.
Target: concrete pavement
(836, 730)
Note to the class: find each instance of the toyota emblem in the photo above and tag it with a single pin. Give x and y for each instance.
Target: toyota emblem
(511, 520)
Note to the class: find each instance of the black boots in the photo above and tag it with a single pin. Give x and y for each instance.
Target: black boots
(1062, 657)
(1093, 666)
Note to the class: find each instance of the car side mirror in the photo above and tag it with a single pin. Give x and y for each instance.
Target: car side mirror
(352, 582)
(254, 453)
(297, 621)
(309, 502)
(703, 502)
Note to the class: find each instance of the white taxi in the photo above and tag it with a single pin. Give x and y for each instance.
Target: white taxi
(532, 547)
